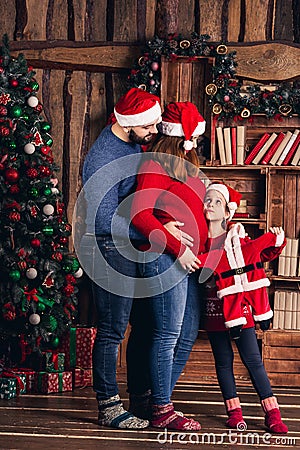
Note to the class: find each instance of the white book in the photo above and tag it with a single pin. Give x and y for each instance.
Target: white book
(296, 158)
(287, 264)
(221, 146)
(241, 143)
(294, 257)
(264, 149)
(287, 148)
(281, 312)
(227, 141)
(288, 300)
(294, 310)
(281, 262)
(280, 149)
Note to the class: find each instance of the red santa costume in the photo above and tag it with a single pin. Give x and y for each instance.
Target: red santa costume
(239, 272)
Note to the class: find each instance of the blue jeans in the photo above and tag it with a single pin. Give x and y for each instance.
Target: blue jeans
(113, 310)
(250, 355)
(164, 329)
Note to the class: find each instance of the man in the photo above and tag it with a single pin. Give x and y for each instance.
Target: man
(109, 178)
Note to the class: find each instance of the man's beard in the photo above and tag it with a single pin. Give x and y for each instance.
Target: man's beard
(138, 140)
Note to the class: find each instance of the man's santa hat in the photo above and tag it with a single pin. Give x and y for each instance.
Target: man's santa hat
(231, 196)
(137, 108)
(182, 119)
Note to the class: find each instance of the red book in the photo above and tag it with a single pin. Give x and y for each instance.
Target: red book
(233, 145)
(256, 148)
(239, 215)
(267, 158)
(291, 152)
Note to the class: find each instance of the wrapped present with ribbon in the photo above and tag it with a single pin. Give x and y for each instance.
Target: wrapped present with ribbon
(30, 377)
(18, 385)
(77, 344)
(82, 377)
(51, 382)
(52, 361)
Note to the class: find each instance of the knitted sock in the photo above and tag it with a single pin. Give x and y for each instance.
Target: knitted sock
(235, 416)
(112, 414)
(273, 419)
(140, 405)
(164, 416)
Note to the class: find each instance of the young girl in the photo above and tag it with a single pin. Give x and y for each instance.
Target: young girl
(218, 209)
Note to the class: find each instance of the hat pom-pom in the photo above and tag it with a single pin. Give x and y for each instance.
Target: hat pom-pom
(188, 145)
(232, 206)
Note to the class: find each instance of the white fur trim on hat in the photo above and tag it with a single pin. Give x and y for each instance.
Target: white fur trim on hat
(144, 118)
(175, 129)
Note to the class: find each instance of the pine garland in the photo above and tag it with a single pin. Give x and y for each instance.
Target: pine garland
(227, 96)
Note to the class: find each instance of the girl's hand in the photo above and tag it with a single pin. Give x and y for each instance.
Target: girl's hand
(189, 261)
(276, 230)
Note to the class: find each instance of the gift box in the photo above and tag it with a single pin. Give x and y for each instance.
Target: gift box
(82, 377)
(29, 377)
(50, 382)
(8, 388)
(77, 345)
(12, 384)
(53, 361)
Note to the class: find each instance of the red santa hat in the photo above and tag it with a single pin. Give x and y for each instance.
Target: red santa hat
(137, 107)
(182, 119)
(231, 196)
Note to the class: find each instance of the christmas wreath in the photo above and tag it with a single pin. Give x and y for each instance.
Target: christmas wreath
(227, 96)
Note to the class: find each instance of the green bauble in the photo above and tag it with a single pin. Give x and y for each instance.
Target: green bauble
(55, 342)
(25, 117)
(75, 265)
(46, 126)
(48, 230)
(15, 275)
(16, 111)
(67, 268)
(33, 192)
(49, 141)
(34, 85)
(12, 145)
(47, 191)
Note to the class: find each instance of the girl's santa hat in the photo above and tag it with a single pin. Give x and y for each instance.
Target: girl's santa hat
(182, 119)
(231, 196)
(137, 108)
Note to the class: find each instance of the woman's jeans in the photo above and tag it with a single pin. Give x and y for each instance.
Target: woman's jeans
(249, 352)
(170, 319)
(113, 310)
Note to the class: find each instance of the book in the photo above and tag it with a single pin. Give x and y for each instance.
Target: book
(294, 257)
(296, 158)
(233, 145)
(264, 149)
(288, 310)
(294, 310)
(240, 144)
(221, 145)
(256, 148)
(281, 262)
(266, 159)
(292, 151)
(287, 262)
(227, 142)
(278, 152)
(287, 148)
(241, 215)
(281, 310)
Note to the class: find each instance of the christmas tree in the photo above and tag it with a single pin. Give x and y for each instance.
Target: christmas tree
(38, 274)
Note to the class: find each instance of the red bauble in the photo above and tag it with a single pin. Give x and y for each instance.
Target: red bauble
(3, 111)
(4, 131)
(63, 240)
(44, 171)
(68, 290)
(45, 149)
(35, 243)
(32, 173)
(22, 265)
(39, 108)
(70, 279)
(11, 175)
(9, 315)
(14, 82)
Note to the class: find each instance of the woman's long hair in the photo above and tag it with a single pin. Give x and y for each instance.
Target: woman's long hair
(179, 168)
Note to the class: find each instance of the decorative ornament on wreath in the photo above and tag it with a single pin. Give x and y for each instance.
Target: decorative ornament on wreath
(227, 96)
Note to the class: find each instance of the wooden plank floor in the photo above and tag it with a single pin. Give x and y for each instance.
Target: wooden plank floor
(69, 421)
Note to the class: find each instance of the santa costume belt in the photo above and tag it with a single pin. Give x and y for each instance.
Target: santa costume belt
(239, 270)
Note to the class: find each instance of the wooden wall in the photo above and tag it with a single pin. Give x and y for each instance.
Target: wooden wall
(82, 51)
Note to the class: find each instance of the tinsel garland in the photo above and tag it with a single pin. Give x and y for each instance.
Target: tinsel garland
(227, 96)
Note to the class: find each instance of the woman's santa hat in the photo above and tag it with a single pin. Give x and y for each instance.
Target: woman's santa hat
(182, 119)
(231, 196)
(137, 108)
